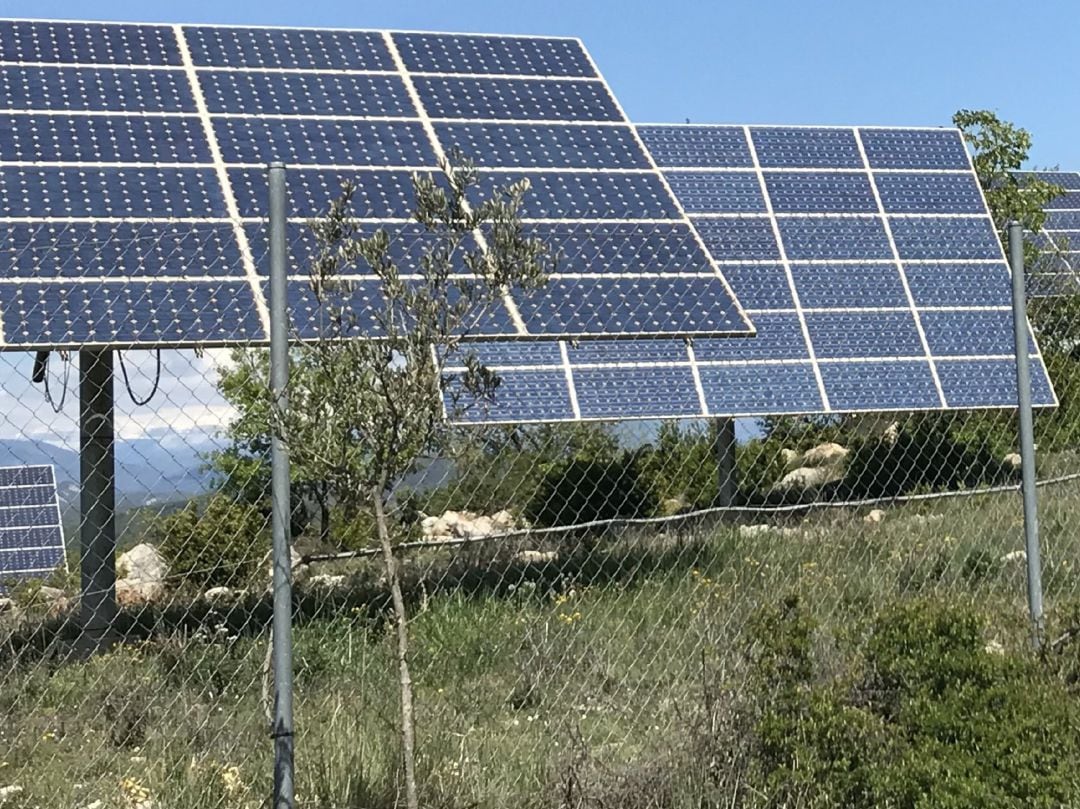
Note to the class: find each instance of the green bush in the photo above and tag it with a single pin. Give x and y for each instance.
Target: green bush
(219, 544)
(585, 489)
(920, 714)
(681, 464)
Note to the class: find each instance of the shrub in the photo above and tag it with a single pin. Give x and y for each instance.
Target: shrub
(586, 489)
(221, 544)
(920, 714)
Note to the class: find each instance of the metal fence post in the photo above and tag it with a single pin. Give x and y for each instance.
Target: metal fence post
(1027, 438)
(282, 730)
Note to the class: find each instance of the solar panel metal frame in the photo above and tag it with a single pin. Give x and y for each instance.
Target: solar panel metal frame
(8, 547)
(717, 312)
(1059, 275)
(690, 376)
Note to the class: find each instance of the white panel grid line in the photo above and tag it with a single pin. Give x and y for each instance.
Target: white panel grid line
(440, 154)
(223, 180)
(571, 387)
(695, 373)
(900, 269)
(672, 196)
(788, 275)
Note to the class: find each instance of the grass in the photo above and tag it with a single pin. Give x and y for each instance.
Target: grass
(535, 687)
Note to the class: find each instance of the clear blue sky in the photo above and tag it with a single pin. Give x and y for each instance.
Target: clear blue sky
(754, 61)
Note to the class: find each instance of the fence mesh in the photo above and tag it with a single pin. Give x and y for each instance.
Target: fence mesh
(585, 600)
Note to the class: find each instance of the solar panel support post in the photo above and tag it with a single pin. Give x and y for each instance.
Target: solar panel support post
(97, 501)
(282, 731)
(724, 448)
(1027, 438)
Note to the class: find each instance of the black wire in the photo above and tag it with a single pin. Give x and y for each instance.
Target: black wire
(127, 382)
(56, 408)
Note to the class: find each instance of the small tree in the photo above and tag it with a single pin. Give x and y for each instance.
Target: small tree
(364, 412)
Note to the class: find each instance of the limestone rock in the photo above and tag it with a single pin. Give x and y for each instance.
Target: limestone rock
(56, 601)
(220, 595)
(891, 434)
(994, 647)
(503, 521)
(142, 575)
(808, 477)
(536, 557)
(7, 605)
(790, 457)
(328, 581)
(828, 454)
(875, 516)
(1019, 556)
(674, 505)
(1013, 461)
(764, 529)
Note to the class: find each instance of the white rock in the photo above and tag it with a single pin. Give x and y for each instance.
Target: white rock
(476, 527)
(327, 581)
(828, 454)
(9, 791)
(994, 647)
(142, 575)
(1013, 461)
(875, 516)
(674, 505)
(763, 529)
(926, 519)
(217, 594)
(790, 457)
(536, 557)
(503, 521)
(1015, 556)
(52, 593)
(7, 605)
(891, 434)
(808, 477)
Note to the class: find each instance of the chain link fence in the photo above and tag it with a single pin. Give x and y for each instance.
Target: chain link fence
(586, 601)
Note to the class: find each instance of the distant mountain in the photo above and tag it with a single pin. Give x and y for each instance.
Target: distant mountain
(147, 471)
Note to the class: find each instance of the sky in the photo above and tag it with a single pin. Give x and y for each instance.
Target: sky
(863, 62)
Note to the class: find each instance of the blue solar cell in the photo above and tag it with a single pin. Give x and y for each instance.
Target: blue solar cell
(738, 239)
(99, 250)
(359, 309)
(990, 383)
(288, 47)
(779, 337)
(43, 495)
(94, 192)
(311, 140)
(906, 385)
(27, 516)
(833, 238)
(914, 149)
(760, 389)
(1068, 180)
(571, 307)
(13, 539)
(623, 248)
(593, 195)
(818, 191)
(26, 476)
(271, 93)
(927, 237)
(88, 43)
(377, 194)
(512, 353)
(517, 56)
(94, 89)
(839, 335)
(1062, 220)
(717, 191)
(516, 99)
(618, 351)
(826, 286)
(617, 393)
(25, 562)
(521, 396)
(960, 333)
(409, 242)
(1068, 200)
(698, 146)
(545, 145)
(805, 147)
(959, 284)
(104, 139)
(760, 286)
(929, 193)
(56, 313)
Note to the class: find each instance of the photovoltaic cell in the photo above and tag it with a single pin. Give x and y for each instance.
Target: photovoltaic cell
(886, 290)
(116, 136)
(31, 534)
(1057, 271)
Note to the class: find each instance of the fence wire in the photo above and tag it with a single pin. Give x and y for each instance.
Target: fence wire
(584, 599)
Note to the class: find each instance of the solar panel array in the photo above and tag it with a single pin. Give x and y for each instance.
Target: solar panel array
(132, 174)
(1058, 269)
(31, 536)
(866, 259)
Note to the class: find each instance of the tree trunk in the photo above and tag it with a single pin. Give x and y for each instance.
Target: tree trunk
(408, 735)
(324, 517)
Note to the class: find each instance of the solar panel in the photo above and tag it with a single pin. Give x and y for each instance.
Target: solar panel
(132, 174)
(1057, 272)
(866, 259)
(31, 535)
